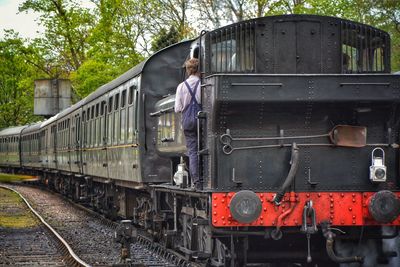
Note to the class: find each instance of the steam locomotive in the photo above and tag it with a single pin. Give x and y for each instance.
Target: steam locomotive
(298, 146)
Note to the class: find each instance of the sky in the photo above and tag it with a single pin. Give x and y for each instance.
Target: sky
(26, 23)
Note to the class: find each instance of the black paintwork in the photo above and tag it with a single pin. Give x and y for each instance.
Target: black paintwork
(298, 43)
(299, 105)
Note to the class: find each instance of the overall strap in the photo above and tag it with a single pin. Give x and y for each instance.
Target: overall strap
(193, 93)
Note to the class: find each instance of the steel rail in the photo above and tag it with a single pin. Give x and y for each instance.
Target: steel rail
(76, 260)
(154, 247)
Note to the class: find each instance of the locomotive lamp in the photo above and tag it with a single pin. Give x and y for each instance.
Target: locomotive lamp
(377, 170)
(181, 175)
(245, 206)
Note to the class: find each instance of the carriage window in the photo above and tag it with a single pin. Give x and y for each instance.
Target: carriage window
(116, 128)
(130, 115)
(123, 99)
(364, 49)
(110, 101)
(233, 49)
(83, 128)
(131, 90)
(103, 123)
(103, 103)
(97, 110)
(122, 125)
(116, 101)
(98, 131)
(94, 132)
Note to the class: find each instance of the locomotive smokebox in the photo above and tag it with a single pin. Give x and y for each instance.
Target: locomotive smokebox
(384, 206)
(51, 96)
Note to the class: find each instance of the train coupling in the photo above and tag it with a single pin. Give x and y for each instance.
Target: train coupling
(309, 225)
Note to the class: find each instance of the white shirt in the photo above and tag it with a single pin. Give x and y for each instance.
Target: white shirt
(183, 97)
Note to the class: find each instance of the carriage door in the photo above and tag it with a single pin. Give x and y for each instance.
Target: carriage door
(78, 144)
(297, 46)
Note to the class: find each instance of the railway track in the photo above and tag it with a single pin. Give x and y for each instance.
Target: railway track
(91, 236)
(36, 246)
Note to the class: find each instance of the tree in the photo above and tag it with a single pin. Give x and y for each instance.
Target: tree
(67, 27)
(16, 81)
(113, 43)
(175, 13)
(165, 38)
(91, 75)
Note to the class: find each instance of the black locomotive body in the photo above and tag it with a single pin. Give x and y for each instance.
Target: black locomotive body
(298, 146)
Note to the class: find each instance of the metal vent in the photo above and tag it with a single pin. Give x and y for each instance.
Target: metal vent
(364, 49)
(233, 48)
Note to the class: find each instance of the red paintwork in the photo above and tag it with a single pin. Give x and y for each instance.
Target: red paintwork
(340, 208)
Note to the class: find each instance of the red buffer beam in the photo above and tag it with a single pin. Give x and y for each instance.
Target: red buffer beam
(338, 208)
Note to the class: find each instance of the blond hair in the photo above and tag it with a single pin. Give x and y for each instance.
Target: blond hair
(192, 66)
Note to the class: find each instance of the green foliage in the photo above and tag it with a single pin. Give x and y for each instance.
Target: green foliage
(165, 38)
(91, 75)
(13, 212)
(112, 44)
(16, 82)
(91, 46)
(67, 27)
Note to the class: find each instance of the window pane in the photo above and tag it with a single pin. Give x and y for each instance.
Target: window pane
(364, 49)
(233, 49)
(130, 100)
(98, 131)
(110, 126)
(116, 102)
(97, 110)
(103, 103)
(122, 126)
(110, 101)
(123, 99)
(116, 127)
(94, 140)
(130, 124)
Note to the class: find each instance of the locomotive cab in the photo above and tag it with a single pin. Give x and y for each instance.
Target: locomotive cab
(275, 91)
